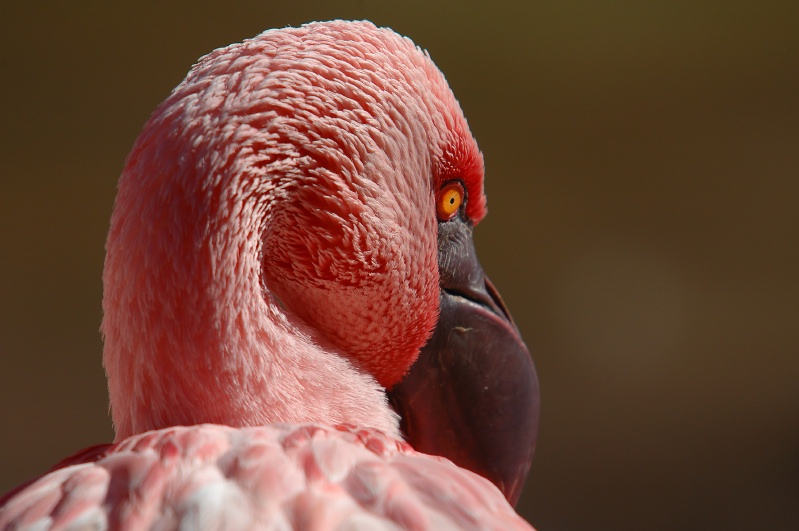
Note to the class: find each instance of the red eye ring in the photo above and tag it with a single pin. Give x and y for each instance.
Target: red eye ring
(449, 200)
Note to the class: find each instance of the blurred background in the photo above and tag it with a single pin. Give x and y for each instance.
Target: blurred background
(643, 180)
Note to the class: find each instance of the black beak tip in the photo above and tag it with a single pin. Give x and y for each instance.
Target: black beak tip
(472, 396)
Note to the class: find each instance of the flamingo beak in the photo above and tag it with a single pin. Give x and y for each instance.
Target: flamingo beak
(472, 395)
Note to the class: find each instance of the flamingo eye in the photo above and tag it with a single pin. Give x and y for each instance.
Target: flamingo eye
(449, 200)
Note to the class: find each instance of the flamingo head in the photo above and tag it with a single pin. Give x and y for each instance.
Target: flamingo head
(303, 197)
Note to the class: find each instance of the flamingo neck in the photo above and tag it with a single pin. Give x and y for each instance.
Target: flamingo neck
(193, 335)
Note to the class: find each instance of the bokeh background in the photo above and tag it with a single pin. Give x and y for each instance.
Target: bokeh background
(643, 179)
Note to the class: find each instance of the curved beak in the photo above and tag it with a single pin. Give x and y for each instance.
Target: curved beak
(472, 395)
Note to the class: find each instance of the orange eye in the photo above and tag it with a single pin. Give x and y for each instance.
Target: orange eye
(449, 200)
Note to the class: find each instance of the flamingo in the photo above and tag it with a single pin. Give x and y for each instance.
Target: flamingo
(294, 314)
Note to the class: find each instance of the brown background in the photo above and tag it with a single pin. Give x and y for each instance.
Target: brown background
(642, 159)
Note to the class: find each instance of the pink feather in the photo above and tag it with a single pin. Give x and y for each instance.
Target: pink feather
(279, 476)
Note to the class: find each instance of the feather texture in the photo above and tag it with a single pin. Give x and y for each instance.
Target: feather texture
(281, 476)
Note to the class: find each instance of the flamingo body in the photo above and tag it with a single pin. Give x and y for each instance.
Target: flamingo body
(272, 269)
(279, 476)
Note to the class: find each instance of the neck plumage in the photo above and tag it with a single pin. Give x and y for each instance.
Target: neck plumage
(192, 334)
